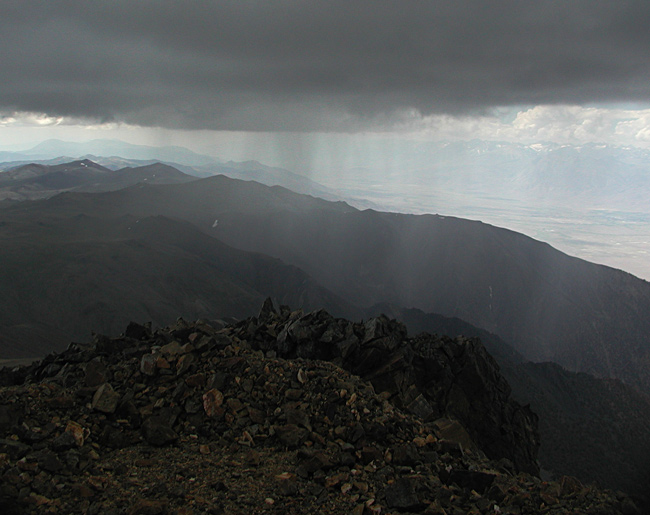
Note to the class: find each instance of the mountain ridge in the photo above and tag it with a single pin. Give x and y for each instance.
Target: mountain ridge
(550, 306)
(53, 148)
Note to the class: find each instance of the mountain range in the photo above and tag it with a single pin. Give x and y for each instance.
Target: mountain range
(118, 156)
(591, 176)
(215, 247)
(36, 181)
(54, 148)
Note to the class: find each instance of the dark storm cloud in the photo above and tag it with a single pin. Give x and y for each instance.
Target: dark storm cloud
(305, 65)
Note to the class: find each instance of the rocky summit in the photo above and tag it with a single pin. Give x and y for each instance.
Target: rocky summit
(285, 412)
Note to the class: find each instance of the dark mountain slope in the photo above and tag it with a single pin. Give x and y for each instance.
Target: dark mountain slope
(595, 429)
(39, 181)
(74, 275)
(550, 306)
(34, 171)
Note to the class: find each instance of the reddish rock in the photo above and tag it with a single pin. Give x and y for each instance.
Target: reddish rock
(77, 431)
(212, 400)
(148, 364)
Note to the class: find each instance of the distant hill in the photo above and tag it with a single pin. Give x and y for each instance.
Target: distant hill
(37, 181)
(34, 171)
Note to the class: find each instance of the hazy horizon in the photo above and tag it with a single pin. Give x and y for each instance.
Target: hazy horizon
(601, 228)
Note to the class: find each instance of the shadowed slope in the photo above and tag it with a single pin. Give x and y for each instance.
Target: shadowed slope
(550, 306)
(64, 278)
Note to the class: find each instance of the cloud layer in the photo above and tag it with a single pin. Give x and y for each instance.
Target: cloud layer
(314, 65)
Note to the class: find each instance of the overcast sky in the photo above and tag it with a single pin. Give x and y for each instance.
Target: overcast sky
(573, 70)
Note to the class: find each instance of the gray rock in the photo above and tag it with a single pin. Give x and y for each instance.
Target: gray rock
(105, 399)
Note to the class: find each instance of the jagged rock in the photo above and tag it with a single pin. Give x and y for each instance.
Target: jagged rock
(570, 485)
(453, 432)
(288, 485)
(184, 363)
(267, 310)
(64, 442)
(171, 349)
(420, 407)
(8, 416)
(311, 462)
(77, 432)
(457, 376)
(406, 455)
(196, 381)
(147, 507)
(48, 461)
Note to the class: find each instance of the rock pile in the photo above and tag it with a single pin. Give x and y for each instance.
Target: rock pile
(426, 376)
(280, 413)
